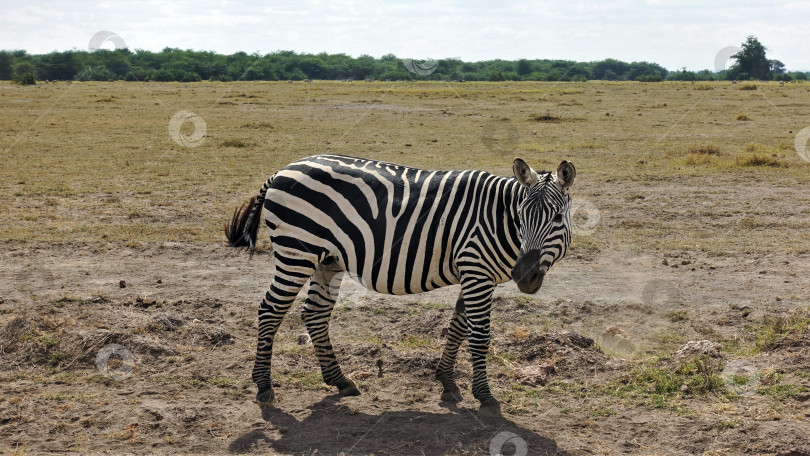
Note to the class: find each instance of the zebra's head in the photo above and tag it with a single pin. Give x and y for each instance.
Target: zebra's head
(545, 222)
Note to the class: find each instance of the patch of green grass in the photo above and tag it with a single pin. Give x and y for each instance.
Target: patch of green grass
(309, 379)
(774, 328)
(677, 315)
(601, 411)
(723, 425)
(525, 301)
(48, 342)
(657, 385)
(411, 341)
(66, 377)
(782, 391)
(68, 300)
(376, 340)
(51, 359)
(418, 307)
(669, 338)
(525, 390)
(222, 382)
(502, 358)
(432, 305)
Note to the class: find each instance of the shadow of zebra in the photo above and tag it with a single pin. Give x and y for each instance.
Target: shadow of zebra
(334, 429)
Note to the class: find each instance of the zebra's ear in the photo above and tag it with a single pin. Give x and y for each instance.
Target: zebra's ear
(524, 173)
(566, 173)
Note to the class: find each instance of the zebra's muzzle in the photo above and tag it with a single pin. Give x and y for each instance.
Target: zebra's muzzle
(527, 273)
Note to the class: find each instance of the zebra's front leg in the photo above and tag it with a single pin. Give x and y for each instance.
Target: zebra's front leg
(323, 292)
(456, 333)
(477, 301)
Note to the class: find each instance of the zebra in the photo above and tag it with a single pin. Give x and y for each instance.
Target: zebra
(402, 230)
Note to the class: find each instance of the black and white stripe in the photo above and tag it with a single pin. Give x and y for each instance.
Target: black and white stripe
(402, 230)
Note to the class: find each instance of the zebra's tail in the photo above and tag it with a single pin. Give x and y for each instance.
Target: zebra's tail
(243, 228)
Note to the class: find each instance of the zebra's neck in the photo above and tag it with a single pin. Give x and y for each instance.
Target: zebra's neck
(515, 194)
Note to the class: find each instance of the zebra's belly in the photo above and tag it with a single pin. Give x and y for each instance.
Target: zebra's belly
(400, 265)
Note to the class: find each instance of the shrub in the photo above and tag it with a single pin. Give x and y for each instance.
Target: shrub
(705, 149)
(650, 78)
(495, 76)
(748, 87)
(756, 159)
(234, 143)
(742, 117)
(697, 159)
(25, 79)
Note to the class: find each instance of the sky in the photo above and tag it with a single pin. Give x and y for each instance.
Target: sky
(674, 34)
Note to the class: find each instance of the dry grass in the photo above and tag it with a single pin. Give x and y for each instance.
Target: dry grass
(760, 160)
(705, 149)
(75, 170)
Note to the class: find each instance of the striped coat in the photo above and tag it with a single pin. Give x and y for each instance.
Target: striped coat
(402, 230)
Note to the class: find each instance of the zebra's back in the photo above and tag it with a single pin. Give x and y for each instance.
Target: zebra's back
(395, 228)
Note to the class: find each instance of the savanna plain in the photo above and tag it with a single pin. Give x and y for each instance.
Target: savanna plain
(128, 326)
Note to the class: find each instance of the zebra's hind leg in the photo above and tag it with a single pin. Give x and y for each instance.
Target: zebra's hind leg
(323, 292)
(456, 333)
(289, 278)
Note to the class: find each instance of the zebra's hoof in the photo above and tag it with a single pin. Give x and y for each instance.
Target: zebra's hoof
(490, 407)
(266, 397)
(451, 395)
(348, 389)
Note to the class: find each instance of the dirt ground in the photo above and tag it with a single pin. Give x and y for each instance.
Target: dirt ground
(187, 312)
(128, 327)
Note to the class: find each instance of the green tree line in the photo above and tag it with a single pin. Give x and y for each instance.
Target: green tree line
(172, 64)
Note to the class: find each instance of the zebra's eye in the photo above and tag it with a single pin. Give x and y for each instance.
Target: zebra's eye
(558, 218)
